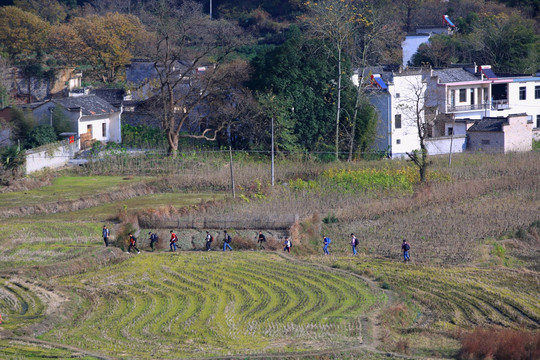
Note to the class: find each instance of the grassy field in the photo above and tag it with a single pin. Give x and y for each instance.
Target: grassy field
(474, 230)
(201, 304)
(67, 188)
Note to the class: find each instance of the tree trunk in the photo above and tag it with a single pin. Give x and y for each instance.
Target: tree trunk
(172, 139)
(338, 103)
(356, 105)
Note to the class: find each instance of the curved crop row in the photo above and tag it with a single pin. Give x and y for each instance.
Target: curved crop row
(465, 296)
(192, 304)
(20, 304)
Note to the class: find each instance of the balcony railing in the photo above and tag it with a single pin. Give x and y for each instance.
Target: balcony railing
(499, 105)
(452, 108)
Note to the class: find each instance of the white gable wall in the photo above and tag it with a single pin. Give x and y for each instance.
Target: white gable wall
(404, 93)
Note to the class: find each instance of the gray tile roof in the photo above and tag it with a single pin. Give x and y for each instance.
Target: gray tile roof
(89, 104)
(488, 124)
(454, 75)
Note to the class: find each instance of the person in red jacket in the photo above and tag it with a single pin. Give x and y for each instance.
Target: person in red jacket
(174, 240)
(133, 244)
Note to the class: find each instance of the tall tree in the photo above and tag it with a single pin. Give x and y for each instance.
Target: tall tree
(298, 73)
(22, 34)
(335, 21)
(186, 41)
(109, 41)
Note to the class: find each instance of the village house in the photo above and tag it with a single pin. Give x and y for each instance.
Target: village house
(91, 118)
(500, 134)
(395, 96)
(454, 100)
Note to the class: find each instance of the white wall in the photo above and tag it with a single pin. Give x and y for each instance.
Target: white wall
(410, 46)
(407, 91)
(441, 145)
(113, 127)
(50, 156)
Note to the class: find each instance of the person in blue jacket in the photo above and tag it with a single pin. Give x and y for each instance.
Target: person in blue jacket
(326, 241)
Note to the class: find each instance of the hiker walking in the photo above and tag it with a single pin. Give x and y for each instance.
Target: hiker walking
(106, 234)
(405, 247)
(226, 241)
(326, 242)
(153, 240)
(261, 239)
(287, 244)
(173, 241)
(133, 244)
(354, 243)
(209, 240)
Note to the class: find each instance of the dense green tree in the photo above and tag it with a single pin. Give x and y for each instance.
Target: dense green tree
(299, 73)
(40, 135)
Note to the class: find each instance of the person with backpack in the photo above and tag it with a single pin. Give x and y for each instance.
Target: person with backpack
(173, 241)
(261, 239)
(287, 244)
(405, 247)
(354, 243)
(106, 233)
(226, 241)
(133, 244)
(209, 240)
(153, 240)
(326, 242)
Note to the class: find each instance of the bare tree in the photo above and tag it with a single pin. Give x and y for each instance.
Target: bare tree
(370, 37)
(335, 21)
(414, 106)
(189, 54)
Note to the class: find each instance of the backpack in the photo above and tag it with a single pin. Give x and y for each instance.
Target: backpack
(211, 238)
(133, 240)
(228, 239)
(407, 247)
(356, 242)
(328, 240)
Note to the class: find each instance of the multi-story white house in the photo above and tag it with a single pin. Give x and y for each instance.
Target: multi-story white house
(399, 100)
(462, 95)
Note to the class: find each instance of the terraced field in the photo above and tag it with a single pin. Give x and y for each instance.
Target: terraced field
(201, 304)
(462, 296)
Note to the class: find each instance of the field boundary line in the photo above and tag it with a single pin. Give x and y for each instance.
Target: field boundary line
(58, 345)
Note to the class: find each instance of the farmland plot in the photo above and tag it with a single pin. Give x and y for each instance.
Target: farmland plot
(201, 304)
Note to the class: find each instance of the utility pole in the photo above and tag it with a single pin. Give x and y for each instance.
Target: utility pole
(230, 161)
(210, 9)
(272, 167)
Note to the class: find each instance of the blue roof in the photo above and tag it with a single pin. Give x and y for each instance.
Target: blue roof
(381, 83)
(447, 20)
(489, 73)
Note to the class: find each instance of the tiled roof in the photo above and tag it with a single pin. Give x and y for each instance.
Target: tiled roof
(454, 75)
(488, 124)
(89, 104)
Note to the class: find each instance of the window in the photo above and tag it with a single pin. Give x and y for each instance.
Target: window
(537, 92)
(104, 130)
(485, 142)
(472, 96)
(450, 131)
(398, 141)
(89, 130)
(453, 97)
(538, 121)
(523, 93)
(462, 95)
(397, 95)
(397, 124)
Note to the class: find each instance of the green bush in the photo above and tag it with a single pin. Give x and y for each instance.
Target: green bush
(40, 135)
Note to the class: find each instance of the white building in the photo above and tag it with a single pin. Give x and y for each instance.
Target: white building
(91, 118)
(399, 100)
(462, 95)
